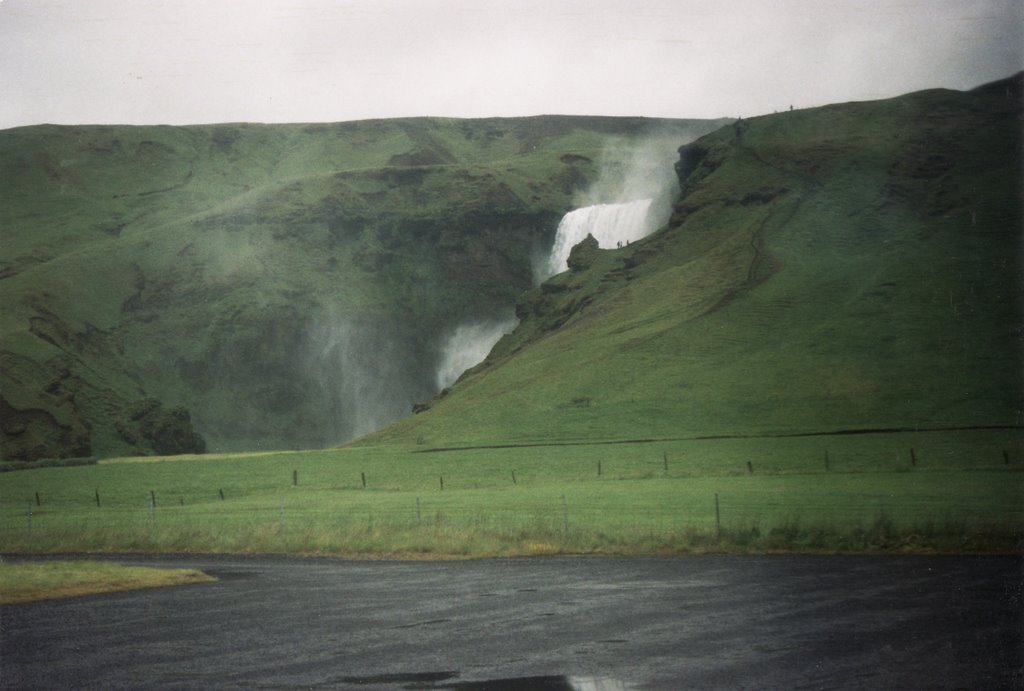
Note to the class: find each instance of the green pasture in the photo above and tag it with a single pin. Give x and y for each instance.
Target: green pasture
(926, 491)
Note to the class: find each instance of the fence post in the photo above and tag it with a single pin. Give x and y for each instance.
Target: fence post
(514, 477)
(152, 505)
(718, 519)
(442, 483)
(295, 478)
(363, 476)
(665, 457)
(221, 494)
(750, 467)
(913, 458)
(97, 499)
(38, 503)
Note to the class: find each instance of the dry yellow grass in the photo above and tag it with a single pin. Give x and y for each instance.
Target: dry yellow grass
(30, 582)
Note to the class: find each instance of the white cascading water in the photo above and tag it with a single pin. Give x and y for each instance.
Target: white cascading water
(612, 225)
(467, 346)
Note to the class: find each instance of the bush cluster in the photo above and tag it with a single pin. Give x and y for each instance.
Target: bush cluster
(6, 466)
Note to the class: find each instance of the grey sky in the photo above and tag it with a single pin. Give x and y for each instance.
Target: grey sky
(197, 61)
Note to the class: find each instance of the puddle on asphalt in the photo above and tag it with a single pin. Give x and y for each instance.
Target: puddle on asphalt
(410, 680)
(545, 683)
(429, 622)
(442, 681)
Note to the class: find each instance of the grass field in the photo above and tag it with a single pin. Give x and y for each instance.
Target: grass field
(900, 492)
(47, 580)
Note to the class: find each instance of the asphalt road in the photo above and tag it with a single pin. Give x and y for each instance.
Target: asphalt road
(600, 624)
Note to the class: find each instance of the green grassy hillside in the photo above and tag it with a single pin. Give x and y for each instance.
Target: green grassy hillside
(820, 351)
(842, 268)
(265, 286)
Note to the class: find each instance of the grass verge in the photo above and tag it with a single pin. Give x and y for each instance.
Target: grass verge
(29, 582)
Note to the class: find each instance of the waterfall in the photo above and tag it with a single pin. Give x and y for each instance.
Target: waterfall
(610, 224)
(467, 346)
(363, 372)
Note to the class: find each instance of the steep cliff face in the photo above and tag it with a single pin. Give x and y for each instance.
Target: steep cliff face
(268, 285)
(846, 267)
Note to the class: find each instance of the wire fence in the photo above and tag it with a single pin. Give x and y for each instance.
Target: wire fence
(596, 495)
(760, 506)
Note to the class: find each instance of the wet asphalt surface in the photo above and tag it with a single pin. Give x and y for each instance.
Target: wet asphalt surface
(601, 624)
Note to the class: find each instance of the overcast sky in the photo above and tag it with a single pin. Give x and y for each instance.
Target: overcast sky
(200, 61)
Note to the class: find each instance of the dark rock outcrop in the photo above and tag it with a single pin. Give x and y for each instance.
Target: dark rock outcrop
(166, 431)
(582, 255)
(28, 435)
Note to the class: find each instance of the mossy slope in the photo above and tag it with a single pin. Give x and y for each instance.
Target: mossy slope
(250, 273)
(849, 267)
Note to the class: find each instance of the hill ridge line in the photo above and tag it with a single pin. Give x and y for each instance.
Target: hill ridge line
(708, 437)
